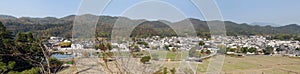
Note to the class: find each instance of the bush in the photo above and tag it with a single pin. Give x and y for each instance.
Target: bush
(137, 54)
(230, 49)
(173, 71)
(55, 49)
(252, 49)
(201, 43)
(145, 59)
(142, 43)
(244, 49)
(268, 50)
(165, 71)
(208, 52)
(298, 49)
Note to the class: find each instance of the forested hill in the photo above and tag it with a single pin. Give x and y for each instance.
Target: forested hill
(51, 26)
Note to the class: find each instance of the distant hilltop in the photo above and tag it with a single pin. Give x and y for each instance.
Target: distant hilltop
(7, 17)
(62, 26)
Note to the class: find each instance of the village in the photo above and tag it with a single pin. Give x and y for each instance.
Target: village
(245, 45)
(261, 45)
(176, 49)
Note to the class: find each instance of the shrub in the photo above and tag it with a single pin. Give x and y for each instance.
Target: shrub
(145, 59)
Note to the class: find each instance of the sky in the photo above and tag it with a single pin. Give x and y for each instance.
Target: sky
(279, 12)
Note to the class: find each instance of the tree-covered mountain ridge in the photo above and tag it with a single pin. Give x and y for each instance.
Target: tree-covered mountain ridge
(52, 26)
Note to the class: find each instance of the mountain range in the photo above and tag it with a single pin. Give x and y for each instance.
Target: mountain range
(51, 26)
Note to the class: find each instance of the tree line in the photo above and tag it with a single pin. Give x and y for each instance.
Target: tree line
(63, 27)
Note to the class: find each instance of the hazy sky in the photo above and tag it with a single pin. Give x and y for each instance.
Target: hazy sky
(242, 11)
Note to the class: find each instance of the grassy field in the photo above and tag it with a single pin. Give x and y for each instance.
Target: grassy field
(161, 54)
(252, 65)
(258, 65)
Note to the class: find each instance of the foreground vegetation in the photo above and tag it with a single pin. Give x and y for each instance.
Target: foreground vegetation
(23, 54)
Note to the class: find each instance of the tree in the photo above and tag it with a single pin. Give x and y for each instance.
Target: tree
(244, 49)
(279, 49)
(252, 50)
(145, 59)
(230, 49)
(104, 46)
(55, 64)
(201, 43)
(173, 71)
(30, 37)
(174, 49)
(166, 47)
(15, 55)
(109, 46)
(11, 64)
(3, 67)
(142, 43)
(268, 50)
(133, 39)
(22, 54)
(298, 49)
(34, 53)
(136, 48)
(165, 70)
(208, 52)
